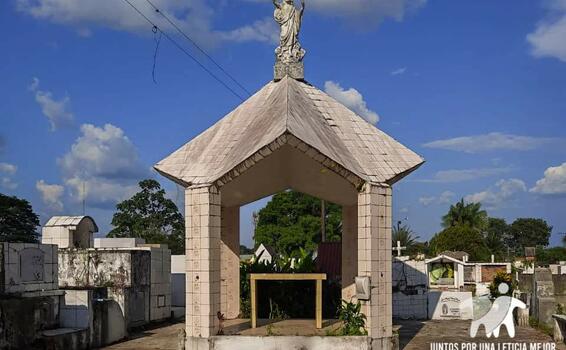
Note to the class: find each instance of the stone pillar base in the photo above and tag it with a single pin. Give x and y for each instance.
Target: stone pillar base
(293, 70)
(387, 343)
(198, 343)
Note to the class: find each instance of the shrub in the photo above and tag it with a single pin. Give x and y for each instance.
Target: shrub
(501, 277)
(354, 320)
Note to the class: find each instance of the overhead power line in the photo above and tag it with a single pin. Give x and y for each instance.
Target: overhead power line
(197, 46)
(188, 54)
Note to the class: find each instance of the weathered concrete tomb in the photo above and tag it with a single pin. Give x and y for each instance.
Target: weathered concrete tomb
(29, 294)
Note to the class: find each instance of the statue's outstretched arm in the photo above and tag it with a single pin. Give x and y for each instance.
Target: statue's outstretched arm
(303, 6)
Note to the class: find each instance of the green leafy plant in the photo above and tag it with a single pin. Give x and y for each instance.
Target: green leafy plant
(275, 312)
(354, 321)
(501, 277)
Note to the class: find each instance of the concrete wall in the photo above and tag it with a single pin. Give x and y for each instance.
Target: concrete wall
(230, 262)
(118, 242)
(160, 290)
(178, 281)
(58, 235)
(303, 343)
(23, 319)
(410, 289)
(27, 267)
(543, 303)
(76, 309)
(349, 251)
(109, 325)
(90, 268)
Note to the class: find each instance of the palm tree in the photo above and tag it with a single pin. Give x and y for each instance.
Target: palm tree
(405, 235)
(469, 214)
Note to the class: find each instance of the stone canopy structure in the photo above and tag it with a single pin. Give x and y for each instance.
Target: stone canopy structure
(289, 135)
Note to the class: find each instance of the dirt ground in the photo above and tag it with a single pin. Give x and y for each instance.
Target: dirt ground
(413, 335)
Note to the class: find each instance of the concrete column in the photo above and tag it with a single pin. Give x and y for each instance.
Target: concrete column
(374, 259)
(202, 261)
(349, 251)
(230, 263)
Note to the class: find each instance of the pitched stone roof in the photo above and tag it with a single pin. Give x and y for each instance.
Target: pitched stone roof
(291, 107)
(455, 254)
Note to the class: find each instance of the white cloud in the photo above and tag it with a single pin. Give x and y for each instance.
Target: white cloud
(426, 201)
(194, 17)
(461, 175)
(265, 30)
(56, 111)
(499, 195)
(7, 183)
(444, 198)
(7, 170)
(491, 142)
(548, 39)
(553, 182)
(352, 99)
(103, 162)
(51, 195)
(399, 71)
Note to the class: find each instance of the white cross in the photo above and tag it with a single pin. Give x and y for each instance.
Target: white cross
(399, 248)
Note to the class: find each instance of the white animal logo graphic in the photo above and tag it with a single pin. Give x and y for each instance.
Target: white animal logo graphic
(501, 313)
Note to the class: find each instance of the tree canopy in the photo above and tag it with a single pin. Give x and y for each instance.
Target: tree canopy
(151, 216)
(529, 232)
(292, 220)
(469, 214)
(18, 222)
(497, 237)
(460, 238)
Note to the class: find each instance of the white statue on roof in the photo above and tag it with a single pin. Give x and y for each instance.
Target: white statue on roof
(289, 19)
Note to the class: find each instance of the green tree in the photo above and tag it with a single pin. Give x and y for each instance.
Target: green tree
(151, 216)
(529, 232)
(469, 214)
(291, 220)
(406, 236)
(497, 236)
(18, 222)
(550, 255)
(460, 238)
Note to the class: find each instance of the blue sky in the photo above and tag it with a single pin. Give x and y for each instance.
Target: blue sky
(478, 88)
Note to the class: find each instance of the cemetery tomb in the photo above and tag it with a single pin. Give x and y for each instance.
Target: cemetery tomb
(28, 268)
(69, 231)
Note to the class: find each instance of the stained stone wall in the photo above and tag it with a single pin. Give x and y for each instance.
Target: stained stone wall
(28, 267)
